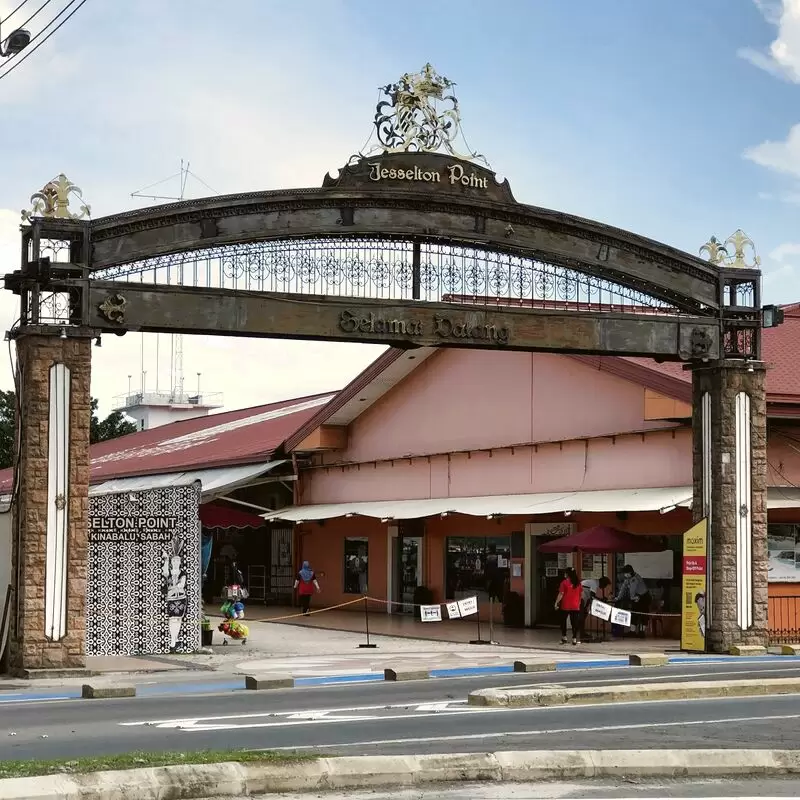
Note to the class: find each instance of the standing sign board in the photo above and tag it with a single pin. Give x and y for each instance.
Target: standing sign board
(693, 595)
(143, 572)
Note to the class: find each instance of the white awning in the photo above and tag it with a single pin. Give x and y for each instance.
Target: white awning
(783, 497)
(214, 481)
(506, 505)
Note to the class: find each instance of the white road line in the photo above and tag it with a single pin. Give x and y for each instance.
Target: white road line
(35, 700)
(330, 720)
(540, 732)
(278, 714)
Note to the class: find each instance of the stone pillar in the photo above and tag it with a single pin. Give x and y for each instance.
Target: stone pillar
(51, 511)
(730, 488)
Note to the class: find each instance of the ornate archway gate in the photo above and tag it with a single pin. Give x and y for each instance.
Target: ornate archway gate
(408, 247)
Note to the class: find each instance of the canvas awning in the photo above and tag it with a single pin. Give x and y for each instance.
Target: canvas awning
(214, 482)
(505, 505)
(783, 497)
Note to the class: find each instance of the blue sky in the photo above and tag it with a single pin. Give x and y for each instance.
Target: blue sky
(656, 117)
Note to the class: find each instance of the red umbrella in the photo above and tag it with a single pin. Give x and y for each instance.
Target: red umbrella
(602, 539)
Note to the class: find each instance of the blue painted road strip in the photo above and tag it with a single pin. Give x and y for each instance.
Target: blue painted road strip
(233, 685)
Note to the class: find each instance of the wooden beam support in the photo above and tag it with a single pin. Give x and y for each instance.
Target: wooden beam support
(120, 306)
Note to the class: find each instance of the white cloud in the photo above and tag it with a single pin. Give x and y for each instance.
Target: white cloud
(783, 157)
(782, 263)
(137, 86)
(782, 58)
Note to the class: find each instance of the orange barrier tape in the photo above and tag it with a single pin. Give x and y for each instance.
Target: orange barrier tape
(318, 611)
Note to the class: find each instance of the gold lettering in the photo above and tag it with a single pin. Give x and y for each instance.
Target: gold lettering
(348, 322)
(374, 173)
(456, 173)
(395, 326)
(392, 173)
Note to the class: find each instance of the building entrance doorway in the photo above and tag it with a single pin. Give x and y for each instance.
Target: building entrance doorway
(408, 571)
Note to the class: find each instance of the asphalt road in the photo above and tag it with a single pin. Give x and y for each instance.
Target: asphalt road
(421, 716)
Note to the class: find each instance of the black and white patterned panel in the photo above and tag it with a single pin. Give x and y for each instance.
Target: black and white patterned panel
(143, 573)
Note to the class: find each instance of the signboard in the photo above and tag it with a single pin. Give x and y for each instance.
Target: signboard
(143, 572)
(693, 595)
(468, 606)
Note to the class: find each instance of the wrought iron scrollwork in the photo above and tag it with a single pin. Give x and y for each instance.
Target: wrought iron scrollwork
(420, 116)
(384, 269)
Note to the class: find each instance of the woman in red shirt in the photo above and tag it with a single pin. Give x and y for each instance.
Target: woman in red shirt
(569, 603)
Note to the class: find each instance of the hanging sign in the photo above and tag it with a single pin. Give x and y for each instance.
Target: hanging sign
(693, 595)
(452, 610)
(468, 606)
(601, 610)
(619, 616)
(430, 613)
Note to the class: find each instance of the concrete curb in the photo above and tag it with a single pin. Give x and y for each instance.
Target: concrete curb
(559, 695)
(366, 772)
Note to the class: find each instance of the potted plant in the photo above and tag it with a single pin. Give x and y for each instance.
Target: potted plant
(206, 632)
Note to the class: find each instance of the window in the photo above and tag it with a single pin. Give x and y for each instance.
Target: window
(356, 563)
(783, 546)
(477, 565)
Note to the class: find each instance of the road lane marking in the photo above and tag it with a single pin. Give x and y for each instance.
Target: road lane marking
(35, 700)
(539, 732)
(411, 707)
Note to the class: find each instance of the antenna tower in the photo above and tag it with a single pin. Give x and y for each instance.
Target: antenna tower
(176, 359)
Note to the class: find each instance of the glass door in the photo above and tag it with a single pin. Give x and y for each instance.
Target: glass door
(409, 570)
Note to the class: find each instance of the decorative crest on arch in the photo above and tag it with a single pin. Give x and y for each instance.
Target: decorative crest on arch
(53, 201)
(719, 253)
(420, 116)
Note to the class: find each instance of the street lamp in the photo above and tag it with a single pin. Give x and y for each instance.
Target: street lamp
(16, 42)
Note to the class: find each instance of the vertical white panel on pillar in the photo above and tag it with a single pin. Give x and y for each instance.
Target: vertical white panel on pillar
(744, 517)
(55, 594)
(705, 422)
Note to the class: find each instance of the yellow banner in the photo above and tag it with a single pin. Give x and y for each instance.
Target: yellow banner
(693, 607)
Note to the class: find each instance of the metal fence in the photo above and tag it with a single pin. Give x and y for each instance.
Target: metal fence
(784, 619)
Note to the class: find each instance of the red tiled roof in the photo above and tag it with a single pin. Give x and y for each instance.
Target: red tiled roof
(245, 436)
(781, 352)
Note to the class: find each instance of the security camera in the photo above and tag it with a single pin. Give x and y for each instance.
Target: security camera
(17, 42)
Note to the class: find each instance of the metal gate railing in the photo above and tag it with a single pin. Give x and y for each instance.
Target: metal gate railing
(784, 619)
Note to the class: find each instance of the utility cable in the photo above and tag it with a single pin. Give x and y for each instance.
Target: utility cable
(35, 14)
(30, 51)
(11, 14)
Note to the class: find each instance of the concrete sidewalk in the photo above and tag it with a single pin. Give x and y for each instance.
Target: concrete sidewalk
(302, 651)
(455, 631)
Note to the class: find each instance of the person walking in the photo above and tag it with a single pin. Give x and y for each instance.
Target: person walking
(305, 583)
(569, 603)
(635, 595)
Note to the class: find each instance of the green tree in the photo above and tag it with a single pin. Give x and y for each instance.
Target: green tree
(8, 415)
(100, 430)
(112, 427)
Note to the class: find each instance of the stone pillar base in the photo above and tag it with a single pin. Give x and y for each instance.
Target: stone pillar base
(51, 508)
(730, 488)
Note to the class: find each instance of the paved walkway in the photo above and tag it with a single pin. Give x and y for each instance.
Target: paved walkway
(327, 644)
(452, 631)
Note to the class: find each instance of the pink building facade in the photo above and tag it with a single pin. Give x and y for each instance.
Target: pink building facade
(434, 464)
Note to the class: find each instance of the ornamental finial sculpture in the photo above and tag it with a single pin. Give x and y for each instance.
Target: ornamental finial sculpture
(53, 201)
(419, 117)
(720, 254)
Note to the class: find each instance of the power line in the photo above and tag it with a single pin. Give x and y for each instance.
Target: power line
(36, 13)
(3, 21)
(30, 51)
